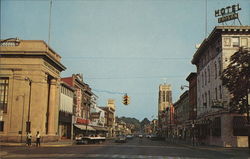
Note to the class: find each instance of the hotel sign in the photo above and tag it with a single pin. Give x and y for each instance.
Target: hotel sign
(228, 13)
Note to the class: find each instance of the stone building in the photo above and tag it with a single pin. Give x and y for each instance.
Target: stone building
(29, 82)
(164, 102)
(216, 125)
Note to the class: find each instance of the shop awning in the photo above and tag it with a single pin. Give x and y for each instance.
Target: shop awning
(83, 127)
(100, 128)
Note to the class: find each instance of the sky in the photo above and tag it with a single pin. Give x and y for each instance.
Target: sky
(121, 46)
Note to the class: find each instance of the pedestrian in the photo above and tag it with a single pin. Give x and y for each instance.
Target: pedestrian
(38, 136)
(29, 137)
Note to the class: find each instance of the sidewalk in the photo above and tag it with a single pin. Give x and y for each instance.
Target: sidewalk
(61, 143)
(203, 146)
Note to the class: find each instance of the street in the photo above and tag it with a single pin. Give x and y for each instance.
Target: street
(134, 148)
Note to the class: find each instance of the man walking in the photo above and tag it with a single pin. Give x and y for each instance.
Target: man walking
(29, 137)
(38, 136)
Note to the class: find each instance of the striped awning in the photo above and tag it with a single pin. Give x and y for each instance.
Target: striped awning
(100, 128)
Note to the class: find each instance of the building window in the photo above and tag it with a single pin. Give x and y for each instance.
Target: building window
(215, 69)
(216, 95)
(219, 66)
(220, 89)
(4, 85)
(203, 100)
(163, 96)
(209, 99)
(1, 125)
(227, 42)
(235, 41)
(205, 77)
(216, 127)
(240, 126)
(208, 74)
(244, 42)
(205, 103)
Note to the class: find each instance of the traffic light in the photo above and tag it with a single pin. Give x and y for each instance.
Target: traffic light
(126, 99)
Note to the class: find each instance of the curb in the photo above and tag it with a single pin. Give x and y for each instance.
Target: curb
(42, 145)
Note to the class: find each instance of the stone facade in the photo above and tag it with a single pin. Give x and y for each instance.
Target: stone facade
(32, 69)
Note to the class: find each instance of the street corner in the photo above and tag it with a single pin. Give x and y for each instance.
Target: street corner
(11, 144)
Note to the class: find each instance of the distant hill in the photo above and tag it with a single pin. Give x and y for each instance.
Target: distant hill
(138, 125)
(129, 120)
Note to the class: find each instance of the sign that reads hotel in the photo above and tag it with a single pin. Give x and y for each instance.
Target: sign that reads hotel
(228, 13)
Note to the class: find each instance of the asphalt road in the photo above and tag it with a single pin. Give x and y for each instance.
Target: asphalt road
(133, 149)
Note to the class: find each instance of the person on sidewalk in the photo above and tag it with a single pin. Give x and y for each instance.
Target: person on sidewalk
(38, 137)
(29, 137)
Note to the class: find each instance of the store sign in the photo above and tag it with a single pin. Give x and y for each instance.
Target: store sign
(82, 121)
(228, 13)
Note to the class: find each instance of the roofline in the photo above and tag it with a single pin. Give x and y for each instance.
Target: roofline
(68, 86)
(191, 75)
(217, 30)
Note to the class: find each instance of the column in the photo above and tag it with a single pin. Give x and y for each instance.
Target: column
(52, 108)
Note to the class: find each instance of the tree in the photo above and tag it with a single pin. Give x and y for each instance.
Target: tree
(236, 77)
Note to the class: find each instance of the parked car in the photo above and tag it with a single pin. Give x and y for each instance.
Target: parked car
(155, 137)
(80, 139)
(129, 136)
(121, 139)
(148, 136)
(140, 136)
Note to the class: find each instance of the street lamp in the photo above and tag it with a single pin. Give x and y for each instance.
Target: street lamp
(28, 123)
(21, 132)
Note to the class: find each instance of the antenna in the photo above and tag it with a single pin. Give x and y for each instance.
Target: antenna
(205, 19)
(49, 21)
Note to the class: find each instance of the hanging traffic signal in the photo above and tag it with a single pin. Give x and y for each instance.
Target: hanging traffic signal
(126, 99)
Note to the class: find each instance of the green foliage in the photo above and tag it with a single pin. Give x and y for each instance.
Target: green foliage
(236, 77)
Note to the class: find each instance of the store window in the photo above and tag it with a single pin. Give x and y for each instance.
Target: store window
(216, 127)
(240, 126)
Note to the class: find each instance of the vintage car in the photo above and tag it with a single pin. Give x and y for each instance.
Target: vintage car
(121, 139)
